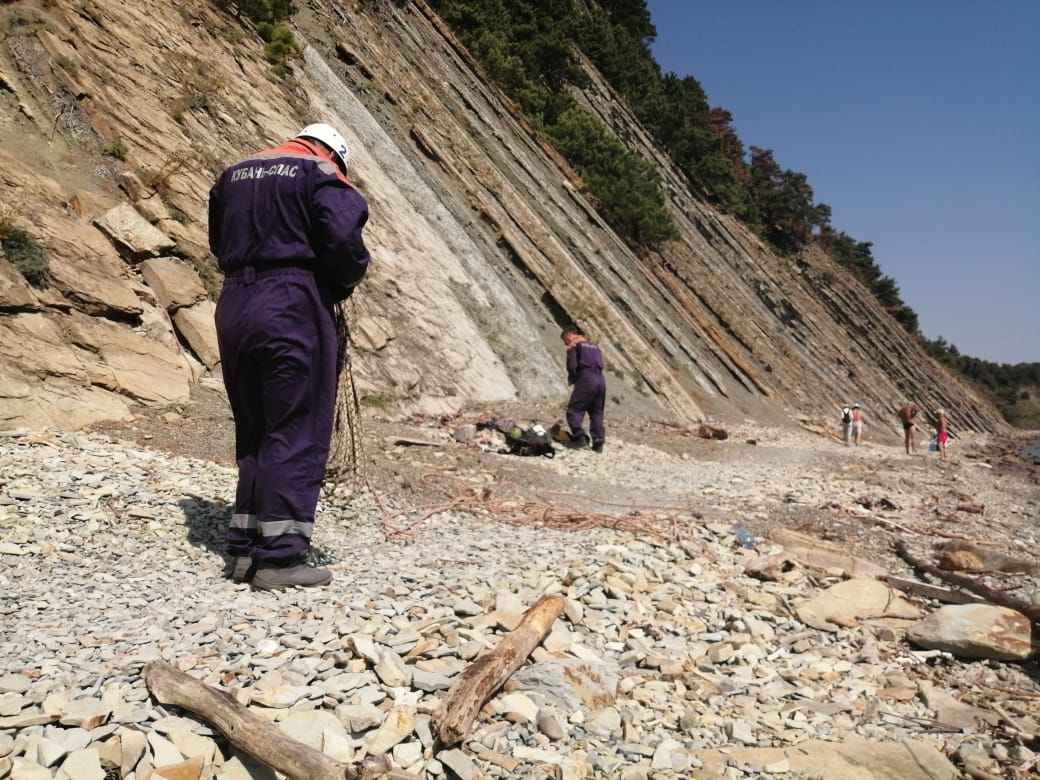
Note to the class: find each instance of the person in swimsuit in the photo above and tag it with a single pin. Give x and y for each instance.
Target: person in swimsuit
(906, 416)
(942, 433)
(857, 423)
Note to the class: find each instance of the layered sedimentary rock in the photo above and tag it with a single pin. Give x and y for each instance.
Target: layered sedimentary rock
(712, 323)
(485, 242)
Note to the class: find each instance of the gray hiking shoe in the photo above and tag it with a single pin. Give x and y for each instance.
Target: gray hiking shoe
(244, 569)
(272, 576)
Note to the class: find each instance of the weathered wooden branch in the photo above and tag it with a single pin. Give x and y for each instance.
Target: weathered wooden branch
(889, 523)
(971, 584)
(401, 441)
(479, 681)
(1015, 728)
(255, 735)
(817, 554)
(937, 592)
(990, 558)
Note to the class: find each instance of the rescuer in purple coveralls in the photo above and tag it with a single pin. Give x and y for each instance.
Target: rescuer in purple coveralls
(585, 372)
(285, 225)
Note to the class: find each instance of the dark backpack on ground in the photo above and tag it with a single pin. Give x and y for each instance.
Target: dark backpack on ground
(527, 442)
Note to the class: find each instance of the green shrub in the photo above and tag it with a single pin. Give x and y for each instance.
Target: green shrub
(68, 66)
(376, 401)
(280, 43)
(259, 11)
(25, 252)
(191, 100)
(27, 18)
(116, 149)
(211, 278)
(1022, 414)
(627, 186)
(200, 85)
(528, 47)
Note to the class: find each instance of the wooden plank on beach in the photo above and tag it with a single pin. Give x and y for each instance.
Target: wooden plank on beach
(251, 733)
(937, 592)
(973, 584)
(479, 681)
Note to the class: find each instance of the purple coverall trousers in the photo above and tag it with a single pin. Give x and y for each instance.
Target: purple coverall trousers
(277, 335)
(588, 396)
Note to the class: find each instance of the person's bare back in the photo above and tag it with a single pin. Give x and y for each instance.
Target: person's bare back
(857, 423)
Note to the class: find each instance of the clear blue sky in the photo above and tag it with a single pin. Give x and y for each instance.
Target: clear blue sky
(917, 122)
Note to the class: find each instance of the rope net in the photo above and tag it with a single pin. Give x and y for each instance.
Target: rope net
(346, 464)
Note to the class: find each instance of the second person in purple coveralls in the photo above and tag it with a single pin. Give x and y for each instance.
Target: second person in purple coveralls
(285, 225)
(589, 396)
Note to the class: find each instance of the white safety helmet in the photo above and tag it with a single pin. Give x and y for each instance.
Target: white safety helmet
(329, 136)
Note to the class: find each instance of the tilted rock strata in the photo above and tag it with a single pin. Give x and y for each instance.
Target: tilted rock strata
(715, 313)
(484, 241)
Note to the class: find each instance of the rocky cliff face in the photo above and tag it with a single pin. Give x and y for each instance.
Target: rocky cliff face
(115, 117)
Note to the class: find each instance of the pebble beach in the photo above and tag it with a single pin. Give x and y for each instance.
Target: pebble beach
(671, 658)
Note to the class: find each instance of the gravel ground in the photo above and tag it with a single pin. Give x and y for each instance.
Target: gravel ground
(111, 558)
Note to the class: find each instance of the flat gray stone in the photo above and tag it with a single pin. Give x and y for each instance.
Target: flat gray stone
(975, 631)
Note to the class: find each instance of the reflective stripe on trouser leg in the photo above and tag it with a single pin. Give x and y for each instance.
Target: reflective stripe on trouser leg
(242, 535)
(283, 538)
(248, 535)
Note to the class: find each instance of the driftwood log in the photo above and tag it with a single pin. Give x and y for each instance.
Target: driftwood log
(251, 733)
(971, 584)
(937, 592)
(478, 682)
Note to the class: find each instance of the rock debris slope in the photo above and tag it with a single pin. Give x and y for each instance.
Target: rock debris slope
(484, 239)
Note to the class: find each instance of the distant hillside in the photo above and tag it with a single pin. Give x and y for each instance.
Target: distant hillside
(1014, 388)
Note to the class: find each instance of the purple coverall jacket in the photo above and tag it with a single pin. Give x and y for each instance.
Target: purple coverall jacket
(290, 206)
(585, 365)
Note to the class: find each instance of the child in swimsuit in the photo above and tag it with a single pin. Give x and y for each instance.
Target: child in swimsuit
(942, 433)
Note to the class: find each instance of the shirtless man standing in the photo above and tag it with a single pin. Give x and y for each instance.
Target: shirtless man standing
(906, 416)
(857, 423)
